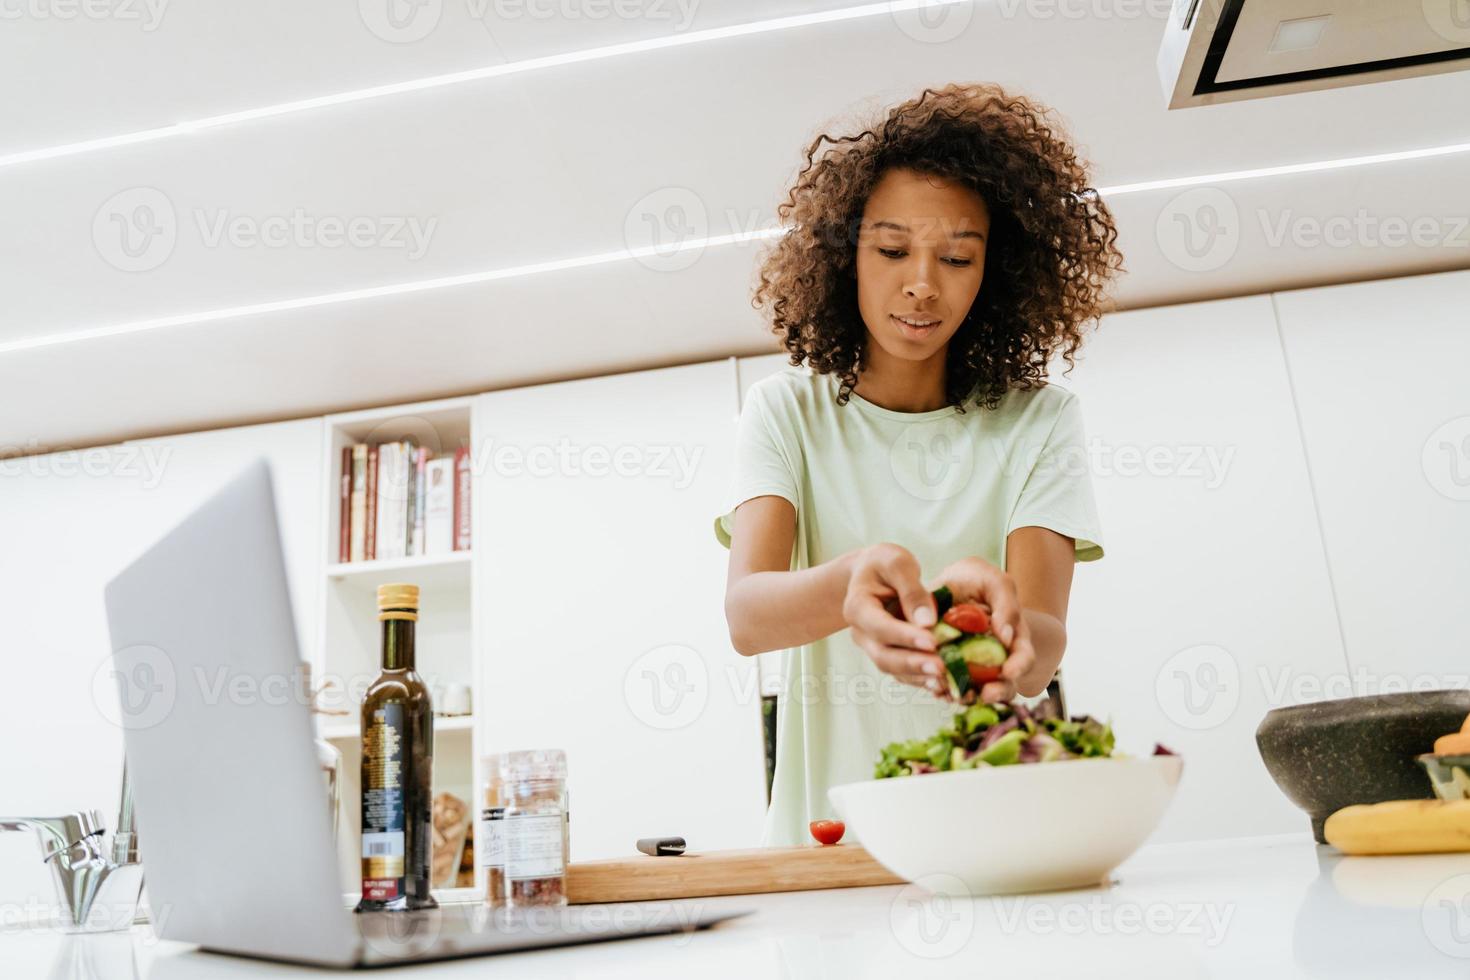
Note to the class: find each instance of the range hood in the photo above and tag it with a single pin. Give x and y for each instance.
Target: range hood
(1229, 50)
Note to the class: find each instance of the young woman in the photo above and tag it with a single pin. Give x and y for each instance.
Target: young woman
(937, 261)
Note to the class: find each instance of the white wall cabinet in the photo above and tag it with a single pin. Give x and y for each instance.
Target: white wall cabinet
(1380, 370)
(70, 522)
(1213, 588)
(600, 587)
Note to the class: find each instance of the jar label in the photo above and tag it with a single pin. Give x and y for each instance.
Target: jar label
(491, 839)
(533, 846)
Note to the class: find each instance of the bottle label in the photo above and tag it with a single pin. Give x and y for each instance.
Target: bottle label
(533, 846)
(383, 803)
(490, 839)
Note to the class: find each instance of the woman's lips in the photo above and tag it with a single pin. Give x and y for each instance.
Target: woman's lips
(915, 333)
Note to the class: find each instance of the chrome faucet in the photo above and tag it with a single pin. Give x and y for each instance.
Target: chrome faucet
(97, 893)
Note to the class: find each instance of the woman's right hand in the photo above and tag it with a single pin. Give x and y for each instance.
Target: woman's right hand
(886, 576)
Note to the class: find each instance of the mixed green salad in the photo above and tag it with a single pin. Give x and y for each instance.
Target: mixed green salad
(999, 735)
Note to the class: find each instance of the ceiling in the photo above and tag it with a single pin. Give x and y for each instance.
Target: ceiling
(508, 168)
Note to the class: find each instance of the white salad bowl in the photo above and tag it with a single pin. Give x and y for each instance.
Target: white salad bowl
(1005, 829)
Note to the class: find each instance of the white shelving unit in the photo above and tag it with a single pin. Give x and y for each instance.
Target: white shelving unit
(349, 642)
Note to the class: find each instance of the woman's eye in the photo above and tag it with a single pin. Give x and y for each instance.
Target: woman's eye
(896, 253)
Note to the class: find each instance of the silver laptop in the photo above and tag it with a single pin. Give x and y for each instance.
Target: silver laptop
(234, 832)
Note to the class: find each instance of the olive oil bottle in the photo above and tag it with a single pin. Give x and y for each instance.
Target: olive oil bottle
(397, 767)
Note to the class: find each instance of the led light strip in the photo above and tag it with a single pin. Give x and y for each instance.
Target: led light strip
(472, 75)
(377, 292)
(603, 258)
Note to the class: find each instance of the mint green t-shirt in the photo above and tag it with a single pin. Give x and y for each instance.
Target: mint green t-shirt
(942, 484)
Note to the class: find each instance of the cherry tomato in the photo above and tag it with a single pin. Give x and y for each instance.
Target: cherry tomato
(968, 617)
(980, 674)
(828, 831)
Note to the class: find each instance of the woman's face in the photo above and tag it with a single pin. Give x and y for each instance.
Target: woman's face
(921, 256)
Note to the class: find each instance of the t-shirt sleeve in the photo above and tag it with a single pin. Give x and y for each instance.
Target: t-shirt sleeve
(1058, 492)
(763, 463)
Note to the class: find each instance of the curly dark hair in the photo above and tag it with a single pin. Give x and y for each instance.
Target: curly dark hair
(1048, 259)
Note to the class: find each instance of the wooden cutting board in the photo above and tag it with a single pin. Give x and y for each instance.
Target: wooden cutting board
(700, 874)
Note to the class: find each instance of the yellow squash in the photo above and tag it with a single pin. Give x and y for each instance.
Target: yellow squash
(1401, 827)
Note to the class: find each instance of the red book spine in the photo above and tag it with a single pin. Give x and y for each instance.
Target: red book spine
(462, 499)
(344, 504)
(370, 549)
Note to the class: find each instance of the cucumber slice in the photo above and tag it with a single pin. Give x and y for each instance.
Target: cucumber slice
(956, 673)
(943, 633)
(943, 599)
(982, 649)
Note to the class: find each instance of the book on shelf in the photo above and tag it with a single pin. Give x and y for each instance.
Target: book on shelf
(399, 500)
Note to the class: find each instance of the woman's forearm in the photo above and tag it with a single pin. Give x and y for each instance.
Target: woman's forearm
(1049, 641)
(779, 610)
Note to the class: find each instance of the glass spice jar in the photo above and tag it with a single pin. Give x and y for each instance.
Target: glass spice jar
(534, 793)
(490, 833)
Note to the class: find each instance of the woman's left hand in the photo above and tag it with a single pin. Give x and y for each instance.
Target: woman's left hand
(977, 580)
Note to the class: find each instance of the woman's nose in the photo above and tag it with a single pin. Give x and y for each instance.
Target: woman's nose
(920, 285)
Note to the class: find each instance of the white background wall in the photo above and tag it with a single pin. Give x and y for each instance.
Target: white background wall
(1334, 493)
(70, 522)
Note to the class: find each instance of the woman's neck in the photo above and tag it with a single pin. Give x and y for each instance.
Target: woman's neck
(902, 386)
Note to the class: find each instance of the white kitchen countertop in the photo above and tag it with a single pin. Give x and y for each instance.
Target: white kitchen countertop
(1262, 907)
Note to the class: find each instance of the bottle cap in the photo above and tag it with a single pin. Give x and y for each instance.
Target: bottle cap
(398, 600)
